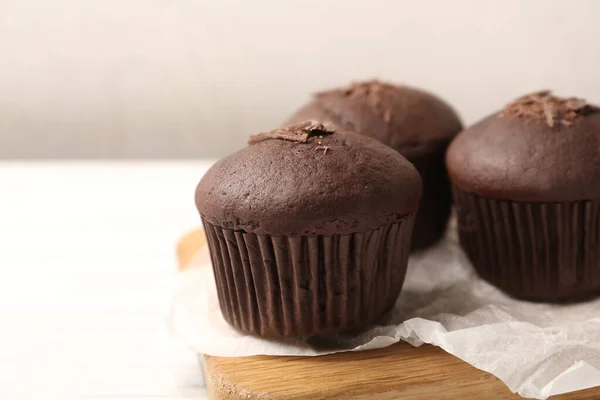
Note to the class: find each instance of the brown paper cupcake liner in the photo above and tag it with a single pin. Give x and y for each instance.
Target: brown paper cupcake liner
(302, 286)
(537, 251)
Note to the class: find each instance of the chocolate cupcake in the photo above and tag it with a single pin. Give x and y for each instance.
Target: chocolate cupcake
(526, 185)
(309, 230)
(415, 123)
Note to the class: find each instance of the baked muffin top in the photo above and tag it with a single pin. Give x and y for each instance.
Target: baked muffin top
(309, 179)
(539, 148)
(409, 120)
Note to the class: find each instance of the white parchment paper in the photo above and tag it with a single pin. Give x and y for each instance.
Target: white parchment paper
(536, 349)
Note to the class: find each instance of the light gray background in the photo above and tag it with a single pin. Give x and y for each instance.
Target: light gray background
(141, 78)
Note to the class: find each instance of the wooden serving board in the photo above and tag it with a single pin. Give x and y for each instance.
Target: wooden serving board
(400, 371)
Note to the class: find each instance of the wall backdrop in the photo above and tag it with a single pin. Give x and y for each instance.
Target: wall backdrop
(193, 78)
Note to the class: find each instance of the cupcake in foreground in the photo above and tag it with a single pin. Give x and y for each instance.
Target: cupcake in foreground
(415, 123)
(309, 230)
(526, 185)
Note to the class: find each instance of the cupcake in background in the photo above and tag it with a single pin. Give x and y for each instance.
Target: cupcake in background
(526, 185)
(416, 124)
(309, 230)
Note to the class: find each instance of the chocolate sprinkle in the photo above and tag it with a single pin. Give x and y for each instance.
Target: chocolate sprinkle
(299, 132)
(576, 104)
(372, 89)
(543, 105)
(324, 148)
(387, 117)
(566, 123)
(548, 113)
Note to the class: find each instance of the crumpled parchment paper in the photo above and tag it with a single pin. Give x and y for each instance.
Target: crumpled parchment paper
(536, 349)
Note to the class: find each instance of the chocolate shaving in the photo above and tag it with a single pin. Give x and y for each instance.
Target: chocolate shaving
(361, 91)
(538, 96)
(372, 88)
(375, 99)
(576, 104)
(372, 92)
(299, 132)
(543, 105)
(571, 115)
(548, 113)
(387, 117)
(324, 148)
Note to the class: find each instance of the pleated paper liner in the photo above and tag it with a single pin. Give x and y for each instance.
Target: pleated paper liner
(302, 286)
(535, 251)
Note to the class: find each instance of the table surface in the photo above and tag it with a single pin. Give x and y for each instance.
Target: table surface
(86, 274)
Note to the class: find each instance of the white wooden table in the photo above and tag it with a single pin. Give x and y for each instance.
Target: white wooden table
(86, 273)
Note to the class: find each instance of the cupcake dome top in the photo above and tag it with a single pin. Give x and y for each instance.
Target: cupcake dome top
(539, 148)
(308, 179)
(411, 121)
